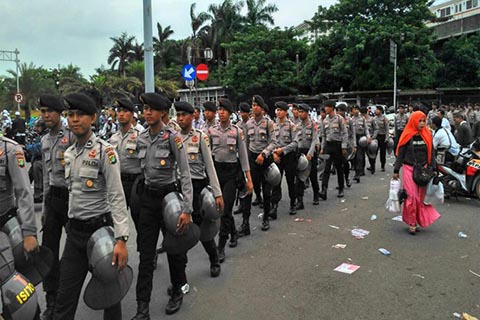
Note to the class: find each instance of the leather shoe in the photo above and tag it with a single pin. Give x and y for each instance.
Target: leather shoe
(357, 179)
(273, 212)
(316, 200)
(293, 210)
(300, 205)
(323, 194)
(233, 240)
(142, 311)
(340, 193)
(215, 270)
(265, 225)
(244, 230)
(175, 301)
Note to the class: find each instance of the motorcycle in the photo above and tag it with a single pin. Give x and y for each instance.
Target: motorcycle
(462, 177)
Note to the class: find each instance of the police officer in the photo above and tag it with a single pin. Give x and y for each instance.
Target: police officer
(261, 141)
(202, 171)
(401, 120)
(209, 114)
(96, 199)
(334, 143)
(361, 130)
(160, 150)
(296, 118)
(55, 208)
(285, 155)
(372, 129)
(352, 141)
(228, 143)
(170, 123)
(125, 143)
(307, 142)
(381, 134)
(245, 201)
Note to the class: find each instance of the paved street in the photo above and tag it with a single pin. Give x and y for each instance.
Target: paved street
(287, 272)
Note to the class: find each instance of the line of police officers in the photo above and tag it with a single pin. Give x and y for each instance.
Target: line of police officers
(89, 183)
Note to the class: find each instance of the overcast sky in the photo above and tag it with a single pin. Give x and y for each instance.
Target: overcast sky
(52, 32)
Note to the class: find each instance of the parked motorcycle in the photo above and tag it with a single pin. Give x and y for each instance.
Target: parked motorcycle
(462, 177)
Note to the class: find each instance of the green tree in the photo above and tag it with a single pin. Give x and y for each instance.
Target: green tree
(137, 52)
(162, 45)
(263, 62)
(259, 13)
(121, 52)
(461, 62)
(197, 20)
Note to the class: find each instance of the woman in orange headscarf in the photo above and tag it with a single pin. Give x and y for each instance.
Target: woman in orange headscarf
(415, 145)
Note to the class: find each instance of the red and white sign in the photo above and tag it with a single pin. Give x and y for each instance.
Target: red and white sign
(18, 98)
(202, 71)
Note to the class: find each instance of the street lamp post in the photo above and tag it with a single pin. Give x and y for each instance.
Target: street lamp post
(148, 45)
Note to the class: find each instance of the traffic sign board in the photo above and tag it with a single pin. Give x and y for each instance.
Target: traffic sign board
(188, 72)
(190, 83)
(202, 71)
(18, 98)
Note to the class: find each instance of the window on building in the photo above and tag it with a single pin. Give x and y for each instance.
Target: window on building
(448, 11)
(468, 4)
(475, 3)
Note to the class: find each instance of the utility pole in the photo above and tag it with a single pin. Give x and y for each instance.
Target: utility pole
(148, 46)
(393, 59)
(8, 56)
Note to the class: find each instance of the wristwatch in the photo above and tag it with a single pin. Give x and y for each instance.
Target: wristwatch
(124, 238)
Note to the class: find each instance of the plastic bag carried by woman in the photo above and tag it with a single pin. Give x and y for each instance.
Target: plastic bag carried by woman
(434, 193)
(393, 203)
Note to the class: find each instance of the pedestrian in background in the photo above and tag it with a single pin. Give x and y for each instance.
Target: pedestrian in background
(415, 146)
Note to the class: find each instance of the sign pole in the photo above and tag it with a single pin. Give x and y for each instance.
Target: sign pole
(148, 45)
(18, 81)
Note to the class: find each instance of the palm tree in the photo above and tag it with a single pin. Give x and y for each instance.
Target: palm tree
(161, 45)
(197, 20)
(137, 52)
(258, 13)
(121, 52)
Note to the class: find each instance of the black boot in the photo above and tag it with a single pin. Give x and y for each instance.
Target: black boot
(348, 182)
(316, 201)
(293, 208)
(340, 193)
(357, 178)
(300, 205)
(273, 212)
(215, 269)
(48, 313)
(265, 224)
(323, 194)
(233, 240)
(175, 301)
(142, 311)
(221, 249)
(244, 229)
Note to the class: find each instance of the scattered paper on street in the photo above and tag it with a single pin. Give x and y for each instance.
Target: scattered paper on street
(334, 227)
(364, 198)
(373, 217)
(339, 246)
(397, 218)
(347, 268)
(360, 233)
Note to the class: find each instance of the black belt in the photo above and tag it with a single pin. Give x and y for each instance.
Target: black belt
(92, 224)
(7, 216)
(129, 176)
(58, 192)
(226, 165)
(159, 191)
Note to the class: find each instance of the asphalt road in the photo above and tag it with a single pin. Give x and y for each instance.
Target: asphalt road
(287, 272)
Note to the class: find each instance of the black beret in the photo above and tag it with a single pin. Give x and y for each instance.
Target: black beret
(154, 101)
(363, 110)
(401, 106)
(354, 106)
(259, 100)
(329, 103)
(183, 106)
(294, 106)
(226, 104)
(380, 108)
(124, 103)
(281, 105)
(437, 121)
(342, 107)
(244, 107)
(210, 106)
(304, 107)
(50, 102)
(80, 101)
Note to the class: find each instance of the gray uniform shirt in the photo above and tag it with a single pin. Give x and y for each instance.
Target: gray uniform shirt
(352, 134)
(334, 129)
(400, 122)
(371, 125)
(361, 126)
(93, 177)
(381, 125)
(126, 147)
(286, 134)
(307, 136)
(261, 136)
(53, 158)
(207, 125)
(200, 158)
(159, 156)
(15, 188)
(227, 143)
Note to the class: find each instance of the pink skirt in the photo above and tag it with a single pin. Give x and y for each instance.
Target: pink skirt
(414, 210)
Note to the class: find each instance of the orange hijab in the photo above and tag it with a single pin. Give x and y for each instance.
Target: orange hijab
(411, 129)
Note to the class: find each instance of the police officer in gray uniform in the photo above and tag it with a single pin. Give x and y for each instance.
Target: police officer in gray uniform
(202, 171)
(307, 141)
(55, 205)
(352, 141)
(96, 200)
(334, 143)
(228, 142)
(160, 150)
(209, 115)
(261, 141)
(361, 130)
(372, 129)
(285, 155)
(401, 120)
(381, 134)
(125, 143)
